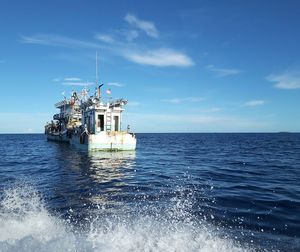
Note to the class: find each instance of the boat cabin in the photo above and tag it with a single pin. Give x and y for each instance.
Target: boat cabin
(103, 116)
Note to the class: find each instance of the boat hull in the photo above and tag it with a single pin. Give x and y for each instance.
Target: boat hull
(58, 137)
(105, 141)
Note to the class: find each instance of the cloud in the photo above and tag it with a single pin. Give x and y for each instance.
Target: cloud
(131, 35)
(84, 84)
(146, 26)
(254, 103)
(222, 72)
(181, 100)
(286, 80)
(72, 79)
(160, 58)
(115, 84)
(105, 38)
(57, 40)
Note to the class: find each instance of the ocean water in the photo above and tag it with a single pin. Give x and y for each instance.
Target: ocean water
(176, 192)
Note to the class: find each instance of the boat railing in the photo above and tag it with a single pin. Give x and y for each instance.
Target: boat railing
(61, 103)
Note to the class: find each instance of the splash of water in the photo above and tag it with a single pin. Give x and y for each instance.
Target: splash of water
(26, 225)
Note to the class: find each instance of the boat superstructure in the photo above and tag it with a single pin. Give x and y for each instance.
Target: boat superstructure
(63, 123)
(101, 124)
(91, 123)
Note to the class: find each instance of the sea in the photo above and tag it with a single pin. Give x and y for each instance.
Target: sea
(176, 192)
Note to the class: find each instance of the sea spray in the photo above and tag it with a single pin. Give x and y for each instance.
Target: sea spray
(26, 225)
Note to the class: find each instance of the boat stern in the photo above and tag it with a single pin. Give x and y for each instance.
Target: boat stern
(112, 141)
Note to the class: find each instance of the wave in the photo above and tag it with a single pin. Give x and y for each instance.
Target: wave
(27, 225)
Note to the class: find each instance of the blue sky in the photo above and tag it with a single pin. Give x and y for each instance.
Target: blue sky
(184, 66)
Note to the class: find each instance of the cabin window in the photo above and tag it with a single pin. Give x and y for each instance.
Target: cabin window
(116, 119)
(100, 122)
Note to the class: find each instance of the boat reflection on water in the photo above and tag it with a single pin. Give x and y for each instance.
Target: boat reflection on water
(89, 179)
(112, 172)
(108, 166)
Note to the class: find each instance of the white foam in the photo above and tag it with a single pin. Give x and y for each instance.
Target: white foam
(26, 225)
(151, 235)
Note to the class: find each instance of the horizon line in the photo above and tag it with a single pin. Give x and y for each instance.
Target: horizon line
(217, 132)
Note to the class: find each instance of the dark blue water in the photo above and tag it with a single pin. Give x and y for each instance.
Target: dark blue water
(176, 192)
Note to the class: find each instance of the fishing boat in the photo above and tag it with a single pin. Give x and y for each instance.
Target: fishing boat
(91, 122)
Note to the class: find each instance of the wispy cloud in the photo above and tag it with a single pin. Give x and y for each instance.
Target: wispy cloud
(286, 80)
(121, 46)
(83, 84)
(72, 79)
(181, 100)
(222, 72)
(254, 103)
(58, 40)
(105, 38)
(146, 26)
(115, 84)
(131, 35)
(160, 57)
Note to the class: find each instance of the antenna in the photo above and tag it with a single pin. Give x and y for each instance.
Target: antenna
(96, 67)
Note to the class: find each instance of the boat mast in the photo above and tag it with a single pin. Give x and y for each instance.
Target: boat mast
(96, 67)
(98, 88)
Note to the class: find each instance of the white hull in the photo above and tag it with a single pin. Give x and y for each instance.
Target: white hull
(105, 141)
